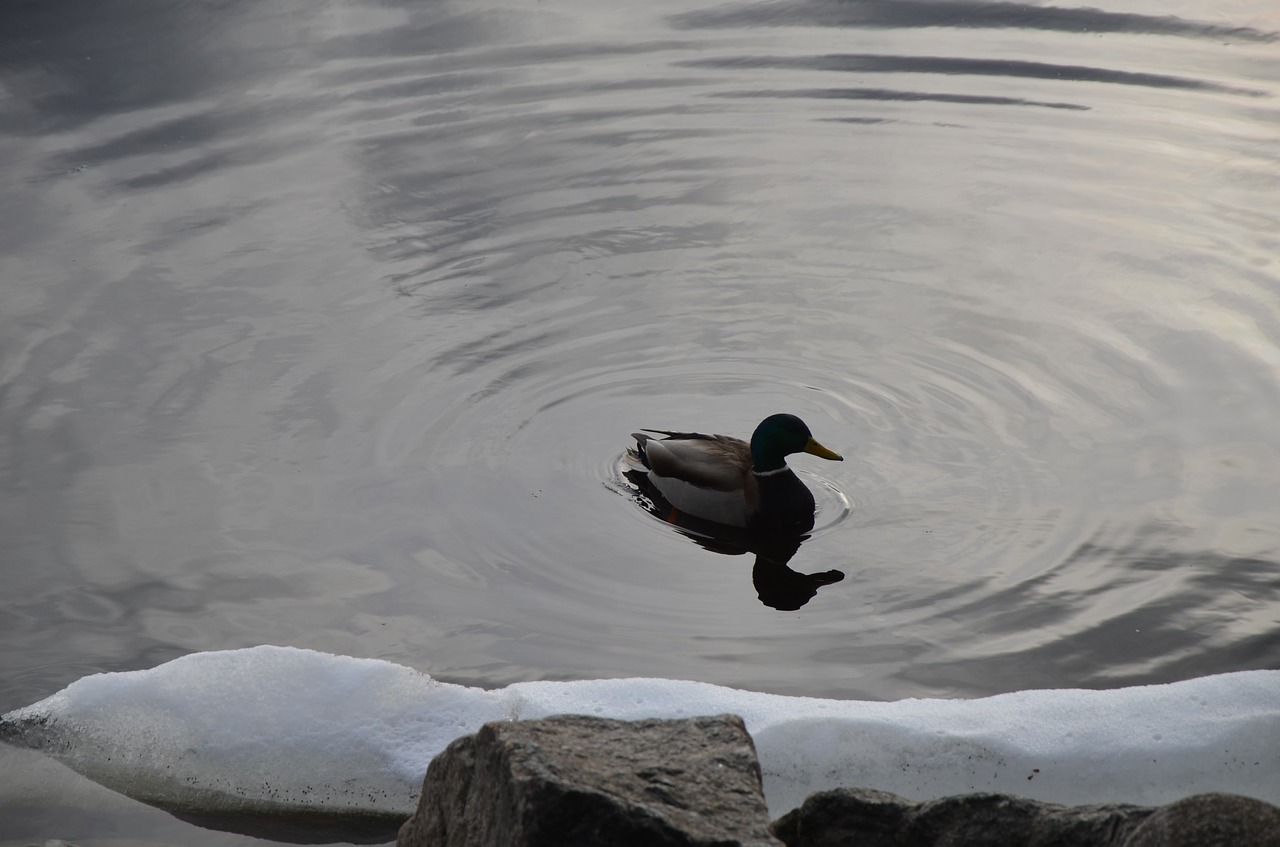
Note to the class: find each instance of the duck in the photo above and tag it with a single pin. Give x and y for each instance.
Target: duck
(729, 481)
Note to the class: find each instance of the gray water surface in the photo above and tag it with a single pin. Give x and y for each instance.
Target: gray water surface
(325, 324)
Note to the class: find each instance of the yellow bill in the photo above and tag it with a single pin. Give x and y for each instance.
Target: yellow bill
(818, 450)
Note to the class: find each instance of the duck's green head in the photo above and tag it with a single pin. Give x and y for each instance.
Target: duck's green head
(778, 436)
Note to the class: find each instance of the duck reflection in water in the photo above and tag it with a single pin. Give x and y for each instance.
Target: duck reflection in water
(734, 497)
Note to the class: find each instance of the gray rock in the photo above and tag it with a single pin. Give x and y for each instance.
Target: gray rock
(1211, 820)
(879, 819)
(844, 816)
(575, 780)
(998, 819)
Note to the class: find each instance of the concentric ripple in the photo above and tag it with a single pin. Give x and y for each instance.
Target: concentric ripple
(736, 236)
(332, 335)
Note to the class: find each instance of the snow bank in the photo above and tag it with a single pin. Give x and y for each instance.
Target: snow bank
(277, 729)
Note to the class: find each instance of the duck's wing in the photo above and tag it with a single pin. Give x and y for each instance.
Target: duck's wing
(715, 462)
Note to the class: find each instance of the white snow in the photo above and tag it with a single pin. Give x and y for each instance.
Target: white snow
(281, 729)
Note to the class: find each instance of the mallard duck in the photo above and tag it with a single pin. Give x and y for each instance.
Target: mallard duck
(728, 481)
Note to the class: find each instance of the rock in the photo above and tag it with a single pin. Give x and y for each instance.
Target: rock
(880, 819)
(844, 816)
(1210, 820)
(996, 819)
(576, 780)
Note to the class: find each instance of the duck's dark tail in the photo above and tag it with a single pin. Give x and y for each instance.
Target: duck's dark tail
(636, 458)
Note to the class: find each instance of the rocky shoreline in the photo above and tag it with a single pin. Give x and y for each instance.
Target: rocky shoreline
(581, 780)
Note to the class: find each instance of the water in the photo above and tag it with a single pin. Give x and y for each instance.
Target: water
(325, 325)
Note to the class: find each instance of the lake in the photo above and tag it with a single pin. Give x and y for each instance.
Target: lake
(326, 325)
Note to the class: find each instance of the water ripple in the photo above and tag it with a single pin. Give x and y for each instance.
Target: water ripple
(333, 332)
(957, 66)
(908, 14)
